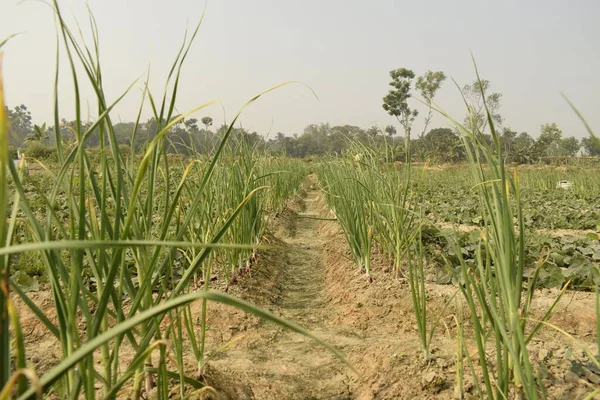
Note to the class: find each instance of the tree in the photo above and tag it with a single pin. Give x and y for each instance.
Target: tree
(444, 145)
(591, 146)
(39, 134)
(474, 94)
(523, 149)
(507, 140)
(373, 131)
(396, 101)
(428, 85)
(547, 144)
(207, 121)
(569, 146)
(390, 130)
(191, 125)
(20, 123)
(123, 133)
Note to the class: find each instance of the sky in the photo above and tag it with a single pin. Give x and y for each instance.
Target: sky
(531, 52)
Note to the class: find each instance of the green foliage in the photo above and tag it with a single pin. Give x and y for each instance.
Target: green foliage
(207, 121)
(442, 145)
(547, 144)
(522, 150)
(493, 286)
(39, 134)
(396, 101)
(19, 124)
(5, 339)
(569, 146)
(591, 146)
(40, 151)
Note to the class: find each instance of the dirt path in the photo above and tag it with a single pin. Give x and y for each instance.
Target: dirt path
(318, 286)
(290, 365)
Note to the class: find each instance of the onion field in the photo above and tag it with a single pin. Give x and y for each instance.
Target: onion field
(167, 271)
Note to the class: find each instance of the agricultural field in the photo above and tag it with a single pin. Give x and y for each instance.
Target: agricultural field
(139, 261)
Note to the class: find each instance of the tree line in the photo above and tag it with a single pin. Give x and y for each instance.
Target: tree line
(438, 145)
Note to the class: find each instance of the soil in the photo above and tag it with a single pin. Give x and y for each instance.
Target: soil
(309, 278)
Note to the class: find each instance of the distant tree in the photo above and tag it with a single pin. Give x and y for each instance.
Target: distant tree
(443, 145)
(428, 85)
(569, 146)
(474, 94)
(253, 139)
(548, 143)
(124, 131)
(507, 140)
(67, 130)
(20, 125)
(373, 131)
(207, 121)
(39, 134)
(390, 130)
(191, 125)
(591, 146)
(396, 101)
(523, 149)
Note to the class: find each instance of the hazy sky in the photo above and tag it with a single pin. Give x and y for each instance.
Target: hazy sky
(530, 50)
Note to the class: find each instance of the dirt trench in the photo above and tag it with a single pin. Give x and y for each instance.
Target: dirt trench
(282, 364)
(311, 288)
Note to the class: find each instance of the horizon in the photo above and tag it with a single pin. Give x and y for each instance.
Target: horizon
(543, 48)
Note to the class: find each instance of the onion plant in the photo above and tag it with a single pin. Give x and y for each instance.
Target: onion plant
(494, 289)
(375, 202)
(124, 238)
(347, 195)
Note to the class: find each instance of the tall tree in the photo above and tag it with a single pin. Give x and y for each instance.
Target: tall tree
(428, 85)
(474, 95)
(207, 121)
(373, 131)
(507, 141)
(396, 101)
(443, 145)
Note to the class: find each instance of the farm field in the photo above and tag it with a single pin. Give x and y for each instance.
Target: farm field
(160, 259)
(309, 277)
